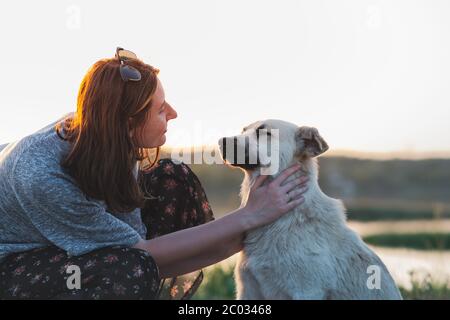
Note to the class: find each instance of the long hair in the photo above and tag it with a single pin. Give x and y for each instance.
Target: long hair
(103, 154)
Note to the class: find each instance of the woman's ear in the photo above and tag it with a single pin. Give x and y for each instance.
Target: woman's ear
(309, 142)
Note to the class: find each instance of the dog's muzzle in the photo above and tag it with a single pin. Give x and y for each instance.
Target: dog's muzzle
(237, 156)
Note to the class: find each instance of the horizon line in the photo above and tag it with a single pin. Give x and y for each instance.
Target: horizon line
(347, 153)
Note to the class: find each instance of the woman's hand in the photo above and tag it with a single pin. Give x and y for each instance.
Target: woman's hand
(268, 202)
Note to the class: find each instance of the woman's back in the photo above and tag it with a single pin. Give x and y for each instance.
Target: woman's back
(40, 203)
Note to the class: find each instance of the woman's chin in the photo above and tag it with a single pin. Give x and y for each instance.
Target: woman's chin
(156, 144)
(163, 140)
(160, 143)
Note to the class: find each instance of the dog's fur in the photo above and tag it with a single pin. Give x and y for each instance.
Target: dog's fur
(309, 253)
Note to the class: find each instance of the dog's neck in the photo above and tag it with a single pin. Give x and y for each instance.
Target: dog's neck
(309, 168)
(314, 195)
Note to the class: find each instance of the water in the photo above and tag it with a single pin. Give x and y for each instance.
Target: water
(399, 261)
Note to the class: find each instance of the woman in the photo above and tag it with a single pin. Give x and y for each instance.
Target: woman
(75, 194)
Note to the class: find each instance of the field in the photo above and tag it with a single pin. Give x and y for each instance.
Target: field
(399, 207)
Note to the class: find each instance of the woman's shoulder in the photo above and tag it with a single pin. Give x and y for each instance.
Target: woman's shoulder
(50, 127)
(40, 152)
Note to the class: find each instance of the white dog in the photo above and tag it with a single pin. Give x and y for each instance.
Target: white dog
(308, 253)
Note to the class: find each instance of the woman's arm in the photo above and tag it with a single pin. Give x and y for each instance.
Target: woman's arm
(206, 258)
(191, 249)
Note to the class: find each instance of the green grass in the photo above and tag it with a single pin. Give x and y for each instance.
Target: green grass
(380, 214)
(219, 284)
(426, 289)
(419, 241)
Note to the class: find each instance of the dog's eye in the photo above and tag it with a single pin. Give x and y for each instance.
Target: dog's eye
(267, 132)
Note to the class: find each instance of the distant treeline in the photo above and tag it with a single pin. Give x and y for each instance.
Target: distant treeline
(418, 180)
(371, 189)
(418, 241)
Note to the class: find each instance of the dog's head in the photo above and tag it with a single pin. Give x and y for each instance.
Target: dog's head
(271, 145)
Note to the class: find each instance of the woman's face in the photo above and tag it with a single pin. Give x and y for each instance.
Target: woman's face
(152, 133)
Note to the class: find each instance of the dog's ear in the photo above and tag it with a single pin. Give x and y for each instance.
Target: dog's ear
(309, 142)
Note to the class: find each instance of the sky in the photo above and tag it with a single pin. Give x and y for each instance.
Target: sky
(372, 76)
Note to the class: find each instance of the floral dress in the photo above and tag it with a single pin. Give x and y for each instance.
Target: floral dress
(176, 201)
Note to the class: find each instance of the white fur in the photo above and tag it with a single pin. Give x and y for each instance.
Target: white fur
(309, 253)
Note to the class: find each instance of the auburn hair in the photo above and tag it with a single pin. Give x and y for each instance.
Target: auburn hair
(103, 154)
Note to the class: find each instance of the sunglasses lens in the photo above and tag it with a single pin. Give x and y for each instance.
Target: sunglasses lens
(129, 73)
(126, 55)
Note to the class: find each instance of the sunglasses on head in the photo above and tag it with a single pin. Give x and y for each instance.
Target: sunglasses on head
(128, 73)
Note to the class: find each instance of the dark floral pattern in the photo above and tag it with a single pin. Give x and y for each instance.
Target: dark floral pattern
(103, 274)
(176, 201)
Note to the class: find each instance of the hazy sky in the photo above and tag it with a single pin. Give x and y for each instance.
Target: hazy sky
(370, 75)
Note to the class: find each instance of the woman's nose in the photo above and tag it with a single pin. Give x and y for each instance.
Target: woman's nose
(172, 114)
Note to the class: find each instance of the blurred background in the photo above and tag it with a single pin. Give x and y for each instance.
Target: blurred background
(399, 207)
(372, 76)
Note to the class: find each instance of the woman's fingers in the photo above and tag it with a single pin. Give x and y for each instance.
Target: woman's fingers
(295, 203)
(286, 174)
(289, 179)
(294, 194)
(294, 183)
